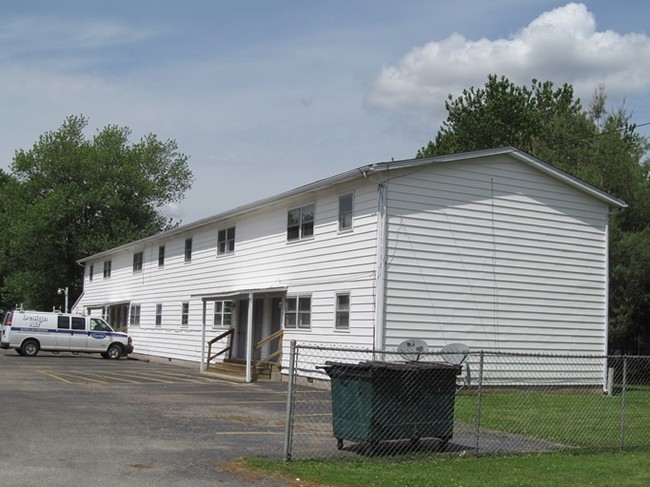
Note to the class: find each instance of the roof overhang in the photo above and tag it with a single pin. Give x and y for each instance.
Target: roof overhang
(239, 293)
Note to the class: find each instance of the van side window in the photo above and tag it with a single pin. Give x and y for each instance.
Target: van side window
(78, 323)
(63, 323)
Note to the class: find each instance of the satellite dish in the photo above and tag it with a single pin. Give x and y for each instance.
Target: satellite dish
(412, 348)
(454, 353)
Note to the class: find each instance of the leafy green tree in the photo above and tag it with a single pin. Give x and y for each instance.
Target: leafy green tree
(601, 148)
(70, 196)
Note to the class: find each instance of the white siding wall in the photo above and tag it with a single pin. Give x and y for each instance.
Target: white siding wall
(330, 262)
(497, 255)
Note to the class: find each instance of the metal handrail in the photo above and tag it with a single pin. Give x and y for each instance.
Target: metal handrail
(229, 333)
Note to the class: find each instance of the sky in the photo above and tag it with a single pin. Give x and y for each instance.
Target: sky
(267, 95)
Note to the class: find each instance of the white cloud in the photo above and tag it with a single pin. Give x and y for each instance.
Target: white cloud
(562, 45)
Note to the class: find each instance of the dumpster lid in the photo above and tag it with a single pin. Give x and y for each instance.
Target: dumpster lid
(370, 364)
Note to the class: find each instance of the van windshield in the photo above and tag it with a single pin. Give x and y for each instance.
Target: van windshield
(97, 324)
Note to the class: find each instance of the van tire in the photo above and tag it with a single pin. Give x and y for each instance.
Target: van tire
(19, 351)
(30, 348)
(104, 355)
(115, 351)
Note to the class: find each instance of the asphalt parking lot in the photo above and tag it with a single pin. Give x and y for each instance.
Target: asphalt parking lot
(76, 420)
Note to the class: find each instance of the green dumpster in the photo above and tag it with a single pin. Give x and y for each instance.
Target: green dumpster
(378, 401)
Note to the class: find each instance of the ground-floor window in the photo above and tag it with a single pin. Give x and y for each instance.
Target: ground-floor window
(223, 313)
(343, 311)
(185, 314)
(159, 312)
(298, 312)
(134, 315)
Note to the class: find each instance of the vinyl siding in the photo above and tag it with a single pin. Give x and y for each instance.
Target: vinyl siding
(496, 255)
(321, 266)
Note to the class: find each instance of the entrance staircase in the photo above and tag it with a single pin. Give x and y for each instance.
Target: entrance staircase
(220, 362)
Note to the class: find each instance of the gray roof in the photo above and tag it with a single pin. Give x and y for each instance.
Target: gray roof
(367, 170)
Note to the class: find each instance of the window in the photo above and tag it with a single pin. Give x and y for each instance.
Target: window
(226, 241)
(78, 323)
(137, 262)
(223, 313)
(188, 249)
(99, 325)
(159, 315)
(134, 316)
(185, 314)
(63, 323)
(345, 212)
(107, 269)
(161, 256)
(300, 223)
(91, 271)
(298, 312)
(342, 311)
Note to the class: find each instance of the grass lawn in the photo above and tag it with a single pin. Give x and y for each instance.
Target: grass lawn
(588, 423)
(559, 469)
(588, 419)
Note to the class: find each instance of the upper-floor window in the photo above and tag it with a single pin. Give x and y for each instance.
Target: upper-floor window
(134, 315)
(91, 272)
(185, 314)
(188, 249)
(345, 211)
(107, 268)
(226, 241)
(161, 256)
(342, 311)
(298, 312)
(137, 261)
(300, 223)
(159, 312)
(222, 313)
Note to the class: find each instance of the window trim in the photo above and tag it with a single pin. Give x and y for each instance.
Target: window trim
(301, 223)
(226, 241)
(108, 264)
(338, 311)
(297, 312)
(159, 315)
(225, 311)
(188, 249)
(341, 228)
(138, 264)
(135, 313)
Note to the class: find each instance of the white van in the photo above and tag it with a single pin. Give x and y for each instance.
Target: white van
(27, 332)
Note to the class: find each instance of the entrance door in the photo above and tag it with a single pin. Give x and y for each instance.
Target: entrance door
(276, 321)
(242, 324)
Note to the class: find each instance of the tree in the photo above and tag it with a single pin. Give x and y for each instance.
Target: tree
(69, 197)
(601, 148)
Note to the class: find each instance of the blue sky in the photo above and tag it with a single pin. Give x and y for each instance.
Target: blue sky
(267, 95)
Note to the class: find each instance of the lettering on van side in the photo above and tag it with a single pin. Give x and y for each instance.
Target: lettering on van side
(35, 321)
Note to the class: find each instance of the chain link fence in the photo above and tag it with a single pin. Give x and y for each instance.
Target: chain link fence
(347, 401)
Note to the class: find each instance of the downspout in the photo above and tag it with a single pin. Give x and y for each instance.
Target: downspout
(249, 340)
(606, 303)
(381, 267)
(203, 365)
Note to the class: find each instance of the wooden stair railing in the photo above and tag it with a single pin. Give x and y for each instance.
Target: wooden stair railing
(227, 334)
(278, 353)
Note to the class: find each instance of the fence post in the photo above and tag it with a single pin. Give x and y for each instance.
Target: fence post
(478, 402)
(288, 426)
(623, 393)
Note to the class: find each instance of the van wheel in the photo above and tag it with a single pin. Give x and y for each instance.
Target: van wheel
(104, 355)
(29, 348)
(19, 351)
(114, 351)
